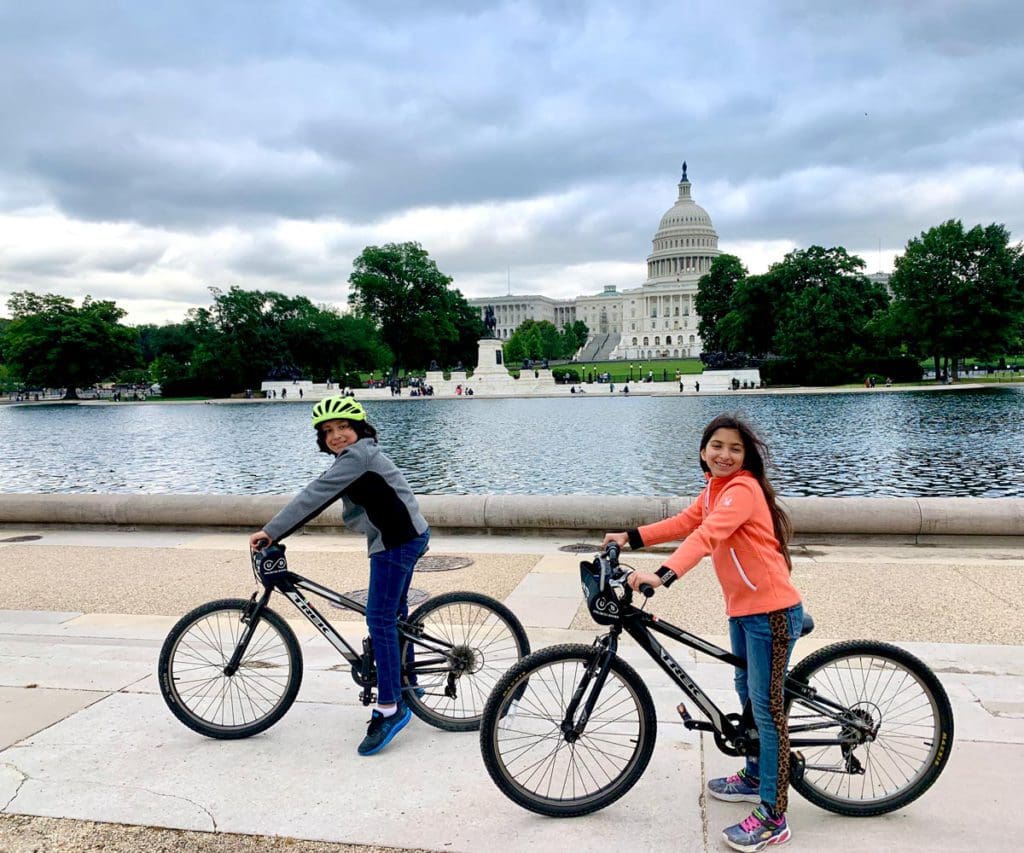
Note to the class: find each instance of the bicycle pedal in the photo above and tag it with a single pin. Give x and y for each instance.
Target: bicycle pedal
(797, 763)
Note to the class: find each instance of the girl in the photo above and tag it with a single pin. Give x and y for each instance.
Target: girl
(737, 522)
(379, 503)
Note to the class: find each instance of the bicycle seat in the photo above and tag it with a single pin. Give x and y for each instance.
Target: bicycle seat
(808, 625)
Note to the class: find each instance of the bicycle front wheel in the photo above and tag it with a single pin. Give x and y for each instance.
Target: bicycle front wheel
(906, 706)
(557, 773)
(192, 677)
(466, 642)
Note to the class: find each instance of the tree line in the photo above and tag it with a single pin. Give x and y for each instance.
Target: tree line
(812, 318)
(815, 318)
(403, 315)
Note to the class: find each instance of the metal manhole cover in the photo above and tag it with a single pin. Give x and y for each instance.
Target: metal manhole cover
(21, 539)
(442, 564)
(581, 548)
(416, 596)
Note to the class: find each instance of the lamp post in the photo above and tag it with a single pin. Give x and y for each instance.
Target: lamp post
(630, 372)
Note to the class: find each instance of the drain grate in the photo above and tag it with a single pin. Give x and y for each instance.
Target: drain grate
(442, 564)
(416, 596)
(21, 539)
(581, 548)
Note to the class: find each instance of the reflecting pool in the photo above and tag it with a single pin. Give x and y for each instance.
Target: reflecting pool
(920, 444)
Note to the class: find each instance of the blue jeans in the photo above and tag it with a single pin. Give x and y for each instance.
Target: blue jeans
(386, 603)
(765, 641)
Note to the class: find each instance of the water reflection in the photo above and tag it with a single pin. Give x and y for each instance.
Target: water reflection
(886, 444)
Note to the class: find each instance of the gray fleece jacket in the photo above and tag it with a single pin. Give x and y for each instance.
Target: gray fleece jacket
(376, 498)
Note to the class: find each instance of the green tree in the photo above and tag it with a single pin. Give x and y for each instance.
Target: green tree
(749, 326)
(49, 342)
(172, 339)
(828, 302)
(515, 350)
(813, 307)
(574, 336)
(958, 293)
(247, 336)
(469, 329)
(399, 287)
(536, 339)
(714, 293)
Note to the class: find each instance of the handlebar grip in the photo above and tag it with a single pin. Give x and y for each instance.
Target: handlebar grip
(647, 590)
(613, 551)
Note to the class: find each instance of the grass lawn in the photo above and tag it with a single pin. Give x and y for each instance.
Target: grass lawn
(664, 369)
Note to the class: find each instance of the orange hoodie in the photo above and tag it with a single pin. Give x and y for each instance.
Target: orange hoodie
(729, 520)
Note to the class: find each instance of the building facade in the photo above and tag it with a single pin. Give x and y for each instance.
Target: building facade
(510, 311)
(656, 319)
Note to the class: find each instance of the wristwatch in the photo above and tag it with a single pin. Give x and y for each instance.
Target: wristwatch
(668, 577)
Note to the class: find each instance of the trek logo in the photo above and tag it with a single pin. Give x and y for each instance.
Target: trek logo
(311, 615)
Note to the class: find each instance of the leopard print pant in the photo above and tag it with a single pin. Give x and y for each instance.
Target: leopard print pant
(779, 628)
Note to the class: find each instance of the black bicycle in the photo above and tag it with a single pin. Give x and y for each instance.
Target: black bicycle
(232, 668)
(571, 728)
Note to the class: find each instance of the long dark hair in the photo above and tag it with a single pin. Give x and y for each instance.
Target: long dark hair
(755, 460)
(362, 429)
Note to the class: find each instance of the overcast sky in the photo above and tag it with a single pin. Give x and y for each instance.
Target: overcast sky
(151, 150)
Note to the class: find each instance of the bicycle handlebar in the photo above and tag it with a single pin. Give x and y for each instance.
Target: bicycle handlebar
(612, 551)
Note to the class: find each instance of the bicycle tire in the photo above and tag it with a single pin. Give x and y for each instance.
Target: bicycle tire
(486, 639)
(530, 759)
(904, 698)
(191, 670)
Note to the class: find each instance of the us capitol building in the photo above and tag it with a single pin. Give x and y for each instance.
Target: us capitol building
(655, 320)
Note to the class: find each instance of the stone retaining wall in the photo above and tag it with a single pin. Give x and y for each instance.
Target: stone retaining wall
(909, 519)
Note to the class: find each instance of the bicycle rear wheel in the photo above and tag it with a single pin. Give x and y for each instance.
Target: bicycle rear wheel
(195, 655)
(469, 641)
(540, 767)
(905, 704)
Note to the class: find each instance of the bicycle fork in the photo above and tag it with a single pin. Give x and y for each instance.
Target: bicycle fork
(597, 672)
(250, 618)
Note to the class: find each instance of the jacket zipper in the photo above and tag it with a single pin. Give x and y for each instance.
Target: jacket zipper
(739, 568)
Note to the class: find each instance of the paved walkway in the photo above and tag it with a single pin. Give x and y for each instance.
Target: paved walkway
(84, 734)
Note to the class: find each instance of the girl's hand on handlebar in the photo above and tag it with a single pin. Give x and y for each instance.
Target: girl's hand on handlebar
(636, 578)
(620, 539)
(258, 540)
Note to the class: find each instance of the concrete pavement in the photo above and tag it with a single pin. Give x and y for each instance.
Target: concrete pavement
(84, 734)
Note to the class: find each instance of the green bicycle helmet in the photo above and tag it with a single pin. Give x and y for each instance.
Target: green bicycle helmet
(337, 408)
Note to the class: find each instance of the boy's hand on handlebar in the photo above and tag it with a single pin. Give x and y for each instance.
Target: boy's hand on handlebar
(620, 539)
(636, 578)
(258, 540)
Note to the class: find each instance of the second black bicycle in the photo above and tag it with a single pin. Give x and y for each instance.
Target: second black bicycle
(232, 668)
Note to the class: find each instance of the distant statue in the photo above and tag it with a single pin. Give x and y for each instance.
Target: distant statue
(684, 171)
(433, 365)
(490, 323)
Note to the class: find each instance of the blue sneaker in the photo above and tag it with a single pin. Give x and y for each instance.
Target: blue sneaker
(757, 832)
(382, 730)
(740, 788)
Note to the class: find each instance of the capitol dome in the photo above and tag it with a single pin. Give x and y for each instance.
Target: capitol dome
(685, 243)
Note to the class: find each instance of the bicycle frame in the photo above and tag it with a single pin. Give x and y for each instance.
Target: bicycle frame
(735, 734)
(291, 585)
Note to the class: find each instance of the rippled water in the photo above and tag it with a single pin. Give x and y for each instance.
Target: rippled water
(886, 444)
